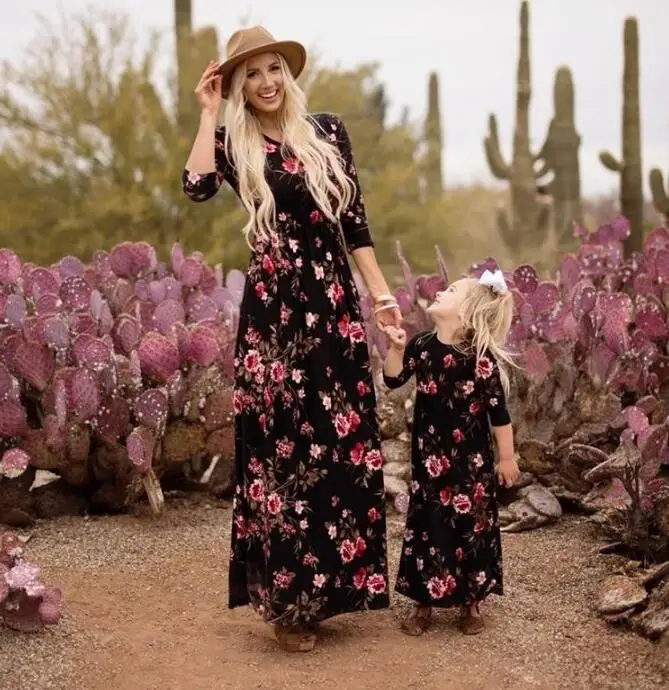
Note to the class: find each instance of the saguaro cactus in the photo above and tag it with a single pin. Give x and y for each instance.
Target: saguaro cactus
(660, 193)
(560, 154)
(433, 138)
(629, 167)
(529, 223)
(194, 50)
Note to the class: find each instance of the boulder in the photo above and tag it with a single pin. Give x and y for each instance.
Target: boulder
(620, 593)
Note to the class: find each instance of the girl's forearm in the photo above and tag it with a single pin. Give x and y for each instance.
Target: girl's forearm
(365, 260)
(202, 158)
(504, 440)
(394, 362)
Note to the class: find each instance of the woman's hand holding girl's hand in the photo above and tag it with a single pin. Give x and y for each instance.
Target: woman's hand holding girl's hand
(208, 89)
(508, 472)
(397, 337)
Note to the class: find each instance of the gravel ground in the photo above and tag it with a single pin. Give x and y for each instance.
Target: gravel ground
(145, 608)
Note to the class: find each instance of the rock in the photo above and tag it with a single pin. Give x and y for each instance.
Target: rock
(654, 621)
(392, 418)
(397, 469)
(619, 593)
(395, 486)
(609, 494)
(535, 457)
(396, 451)
(520, 509)
(527, 523)
(525, 479)
(542, 500)
(505, 517)
(654, 575)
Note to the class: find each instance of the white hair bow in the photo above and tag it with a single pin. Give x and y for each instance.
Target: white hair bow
(494, 280)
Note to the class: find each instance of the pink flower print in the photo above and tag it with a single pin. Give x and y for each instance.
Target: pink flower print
(360, 578)
(193, 178)
(479, 526)
(353, 421)
(373, 515)
(479, 492)
(357, 454)
(433, 466)
(290, 165)
(277, 371)
(459, 553)
(257, 491)
(374, 460)
(315, 216)
(274, 503)
(376, 584)
(356, 332)
(360, 546)
(462, 503)
(251, 361)
(343, 326)
(457, 436)
(448, 361)
(483, 368)
(342, 425)
(269, 147)
(474, 407)
(347, 551)
(260, 291)
(335, 293)
(361, 388)
(268, 264)
(445, 496)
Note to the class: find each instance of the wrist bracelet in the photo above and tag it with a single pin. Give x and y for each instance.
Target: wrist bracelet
(385, 297)
(385, 307)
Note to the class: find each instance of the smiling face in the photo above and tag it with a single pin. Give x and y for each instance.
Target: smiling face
(448, 303)
(263, 86)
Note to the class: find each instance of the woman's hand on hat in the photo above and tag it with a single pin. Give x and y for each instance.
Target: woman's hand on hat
(208, 89)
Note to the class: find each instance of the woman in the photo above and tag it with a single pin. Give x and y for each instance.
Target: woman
(308, 536)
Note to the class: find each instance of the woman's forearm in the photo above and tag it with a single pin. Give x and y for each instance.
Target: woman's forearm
(394, 362)
(365, 260)
(202, 159)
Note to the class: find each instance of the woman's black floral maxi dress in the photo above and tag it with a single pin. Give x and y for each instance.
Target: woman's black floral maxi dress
(452, 552)
(309, 524)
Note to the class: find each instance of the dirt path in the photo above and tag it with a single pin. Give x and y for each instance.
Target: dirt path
(146, 608)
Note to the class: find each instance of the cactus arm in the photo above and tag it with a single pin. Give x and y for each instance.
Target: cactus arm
(658, 192)
(610, 162)
(499, 168)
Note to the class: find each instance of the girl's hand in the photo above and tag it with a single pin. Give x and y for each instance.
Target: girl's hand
(508, 472)
(389, 317)
(208, 89)
(397, 337)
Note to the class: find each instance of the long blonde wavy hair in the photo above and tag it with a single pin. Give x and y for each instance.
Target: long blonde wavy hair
(324, 172)
(485, 317)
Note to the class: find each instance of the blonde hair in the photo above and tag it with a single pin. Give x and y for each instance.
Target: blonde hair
(485, 317)
(324, 172)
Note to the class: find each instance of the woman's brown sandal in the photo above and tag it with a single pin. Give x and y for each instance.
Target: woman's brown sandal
(292, 639)
(418, 621)
(470, 624)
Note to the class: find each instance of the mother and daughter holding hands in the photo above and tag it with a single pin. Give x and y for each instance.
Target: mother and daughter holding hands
(309, 526)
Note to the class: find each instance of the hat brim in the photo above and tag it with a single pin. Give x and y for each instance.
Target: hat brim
(292, 52)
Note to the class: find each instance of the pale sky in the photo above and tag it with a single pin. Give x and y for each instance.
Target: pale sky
(472, 44)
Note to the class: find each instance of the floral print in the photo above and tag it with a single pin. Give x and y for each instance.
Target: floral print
(308, 537)
(452, 553)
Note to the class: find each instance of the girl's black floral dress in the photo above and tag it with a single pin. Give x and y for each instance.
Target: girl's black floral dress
(452, 552)
(308, 538)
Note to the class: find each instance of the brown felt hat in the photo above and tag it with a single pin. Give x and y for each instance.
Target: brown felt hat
(255, 40)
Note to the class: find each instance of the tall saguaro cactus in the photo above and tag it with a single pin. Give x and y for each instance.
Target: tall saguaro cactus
(560, 154)
(194, 50)
(433, 139)
(529, 222)
(629, 167)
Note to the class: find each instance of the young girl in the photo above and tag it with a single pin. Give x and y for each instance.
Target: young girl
(452, 553)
